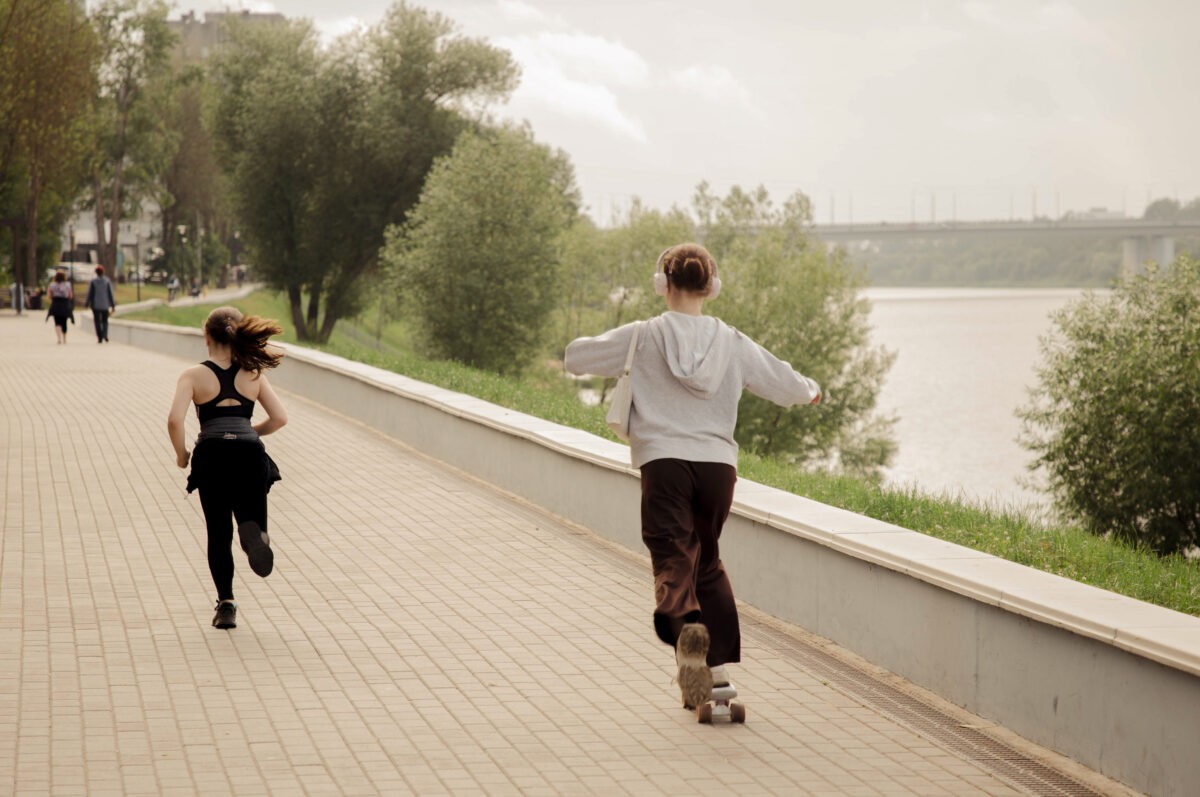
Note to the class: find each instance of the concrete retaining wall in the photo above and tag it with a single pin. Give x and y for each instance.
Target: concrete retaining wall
(1112, 682)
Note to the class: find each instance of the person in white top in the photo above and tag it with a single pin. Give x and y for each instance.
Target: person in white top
(688, 374)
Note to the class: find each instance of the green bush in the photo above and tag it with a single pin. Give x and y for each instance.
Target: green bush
(1116, 419)
(476, 263)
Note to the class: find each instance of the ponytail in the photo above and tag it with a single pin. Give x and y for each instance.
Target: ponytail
(246, 336)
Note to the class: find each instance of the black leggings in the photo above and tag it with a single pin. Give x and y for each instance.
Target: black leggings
(239, 492)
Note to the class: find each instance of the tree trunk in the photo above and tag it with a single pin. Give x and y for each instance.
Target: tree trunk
(109, 256)
(31, 237)
(108, 248)
(101, 216)
(327, 327)
(294, 300)
(16, 251)
(314, 307)
(114, 244)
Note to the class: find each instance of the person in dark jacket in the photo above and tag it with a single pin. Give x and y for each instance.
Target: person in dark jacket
(101, 302)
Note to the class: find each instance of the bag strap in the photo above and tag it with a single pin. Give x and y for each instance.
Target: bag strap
(632, 345)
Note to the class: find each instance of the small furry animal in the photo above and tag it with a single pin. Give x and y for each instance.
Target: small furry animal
(691, 652)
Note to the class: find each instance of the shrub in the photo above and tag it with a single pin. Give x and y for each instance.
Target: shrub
(1115, 420)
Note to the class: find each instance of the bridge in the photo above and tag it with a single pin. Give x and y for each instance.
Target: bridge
(1143, 239)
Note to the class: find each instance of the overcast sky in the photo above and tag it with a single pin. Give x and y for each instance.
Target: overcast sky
(877, 109)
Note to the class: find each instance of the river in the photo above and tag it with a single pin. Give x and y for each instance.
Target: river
(965, 361)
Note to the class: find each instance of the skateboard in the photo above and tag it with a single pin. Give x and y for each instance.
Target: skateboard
(721, 706)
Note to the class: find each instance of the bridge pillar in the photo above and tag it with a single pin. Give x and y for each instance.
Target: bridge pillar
(1137, 251)
(1162, 250)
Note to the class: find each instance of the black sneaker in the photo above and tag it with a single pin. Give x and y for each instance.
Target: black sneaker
(226, 616)
(257, 547)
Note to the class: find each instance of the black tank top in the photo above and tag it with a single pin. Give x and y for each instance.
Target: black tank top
(209, 409)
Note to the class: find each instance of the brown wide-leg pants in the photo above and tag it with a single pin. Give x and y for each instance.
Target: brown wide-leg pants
(684, 507)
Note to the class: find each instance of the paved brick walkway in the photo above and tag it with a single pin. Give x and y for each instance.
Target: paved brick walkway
(422, 633)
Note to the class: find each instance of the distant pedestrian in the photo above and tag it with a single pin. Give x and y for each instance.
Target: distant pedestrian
(102, 302)
(230, 465)
(688, 374)
(172, 288)
(62, 304)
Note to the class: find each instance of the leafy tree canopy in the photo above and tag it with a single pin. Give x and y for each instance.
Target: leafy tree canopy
(131, 148)
(327, 147)
(48, 63)
(781, 287)
(478, 261)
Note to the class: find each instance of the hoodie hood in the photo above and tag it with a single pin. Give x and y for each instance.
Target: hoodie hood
(696, 351)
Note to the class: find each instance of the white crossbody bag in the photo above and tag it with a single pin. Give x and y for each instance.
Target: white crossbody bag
(622, 395)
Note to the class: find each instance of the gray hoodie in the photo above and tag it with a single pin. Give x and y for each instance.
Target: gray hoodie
(688, 375)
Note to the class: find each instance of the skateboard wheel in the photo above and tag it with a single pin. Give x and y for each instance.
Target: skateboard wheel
(737, 712)
(704, 714)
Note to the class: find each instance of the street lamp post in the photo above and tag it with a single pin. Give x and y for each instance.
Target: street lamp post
(137, 267)
(182, 229)
(200, 254)
(238, 272)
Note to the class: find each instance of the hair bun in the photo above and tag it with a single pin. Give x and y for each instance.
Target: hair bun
(229, 328)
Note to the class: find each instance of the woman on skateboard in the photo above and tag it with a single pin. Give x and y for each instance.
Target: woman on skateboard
(688, 374)
(230, 466)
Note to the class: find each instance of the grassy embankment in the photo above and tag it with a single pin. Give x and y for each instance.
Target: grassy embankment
(1064, 549)
(127, 293)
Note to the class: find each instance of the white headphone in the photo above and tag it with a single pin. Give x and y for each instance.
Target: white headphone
(660, 279)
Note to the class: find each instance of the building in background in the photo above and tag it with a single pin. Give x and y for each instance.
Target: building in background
(199, 39)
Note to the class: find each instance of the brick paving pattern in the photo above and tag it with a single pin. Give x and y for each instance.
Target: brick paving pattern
(422, 633)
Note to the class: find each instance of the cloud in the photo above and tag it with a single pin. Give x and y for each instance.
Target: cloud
(1056, 18)
(584, 55)
(522, 12)
(711, 82)
(574, 74)
(584, 76)
(257, 7)
(332, 29)
(593, 79)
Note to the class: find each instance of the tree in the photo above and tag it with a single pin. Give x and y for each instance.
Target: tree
(787, 292)
(189, 191)
(1113, 417)
(262, 120)
(782, 288)
(47, 73)
(1163, 209)
(131, 148)
(607, 271)
(326, 148)
(478, 258)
